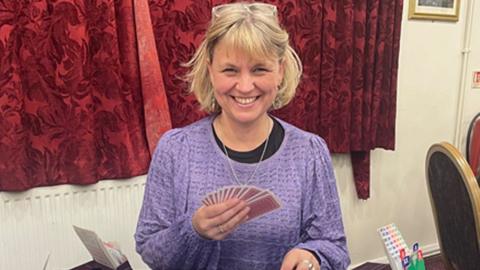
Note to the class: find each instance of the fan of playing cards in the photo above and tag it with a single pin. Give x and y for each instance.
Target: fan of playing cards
(260, 201)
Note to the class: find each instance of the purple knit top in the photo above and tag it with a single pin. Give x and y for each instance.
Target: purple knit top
(188, 164)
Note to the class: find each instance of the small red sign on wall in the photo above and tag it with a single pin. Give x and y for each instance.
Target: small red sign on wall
(476, 79)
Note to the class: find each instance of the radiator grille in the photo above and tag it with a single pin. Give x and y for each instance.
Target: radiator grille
(38, 222)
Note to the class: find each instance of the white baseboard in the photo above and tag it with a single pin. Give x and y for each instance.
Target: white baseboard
(428, 250)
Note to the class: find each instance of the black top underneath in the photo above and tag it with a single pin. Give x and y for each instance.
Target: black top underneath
(275, 139)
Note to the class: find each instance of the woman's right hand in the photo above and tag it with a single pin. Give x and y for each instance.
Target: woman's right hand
(219, 220)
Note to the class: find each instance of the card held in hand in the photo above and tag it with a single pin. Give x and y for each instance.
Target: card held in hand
(261, 201)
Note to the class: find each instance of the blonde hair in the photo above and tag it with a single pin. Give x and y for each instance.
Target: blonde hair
(254, 29)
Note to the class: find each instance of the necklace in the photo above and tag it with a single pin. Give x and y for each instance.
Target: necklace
(256, 167)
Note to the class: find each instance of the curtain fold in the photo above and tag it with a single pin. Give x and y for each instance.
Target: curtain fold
(348, 94)
(155, 105)
(71, 101)
(349, 51)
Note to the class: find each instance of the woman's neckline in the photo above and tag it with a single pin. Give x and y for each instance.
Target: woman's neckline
(219, 152)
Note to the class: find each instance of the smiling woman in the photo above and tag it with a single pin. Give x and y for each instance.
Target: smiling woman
(243, 87)
(261, 40)
(244, 68)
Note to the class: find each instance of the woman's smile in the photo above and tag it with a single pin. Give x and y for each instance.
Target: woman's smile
(245, 100)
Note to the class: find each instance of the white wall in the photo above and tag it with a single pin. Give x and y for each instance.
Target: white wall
(471, 105)
(428, 87)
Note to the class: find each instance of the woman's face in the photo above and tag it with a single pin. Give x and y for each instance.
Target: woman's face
(244, 87)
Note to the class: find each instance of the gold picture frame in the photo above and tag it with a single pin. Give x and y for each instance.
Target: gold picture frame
(443, 10)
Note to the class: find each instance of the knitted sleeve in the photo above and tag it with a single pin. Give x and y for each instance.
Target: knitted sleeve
(322, 227)
(165, 238)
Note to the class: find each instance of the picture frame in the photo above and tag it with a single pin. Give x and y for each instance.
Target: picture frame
(443, 10)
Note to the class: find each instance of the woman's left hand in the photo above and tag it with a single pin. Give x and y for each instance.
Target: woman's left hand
(300, 259)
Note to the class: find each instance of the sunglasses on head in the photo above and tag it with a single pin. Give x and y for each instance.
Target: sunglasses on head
(251, 7)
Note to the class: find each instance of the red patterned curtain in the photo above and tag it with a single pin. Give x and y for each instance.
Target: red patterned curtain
(76, 105)
(71, 93)
(350, 54)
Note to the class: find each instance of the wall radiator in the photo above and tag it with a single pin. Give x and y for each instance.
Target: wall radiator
(37, 224)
